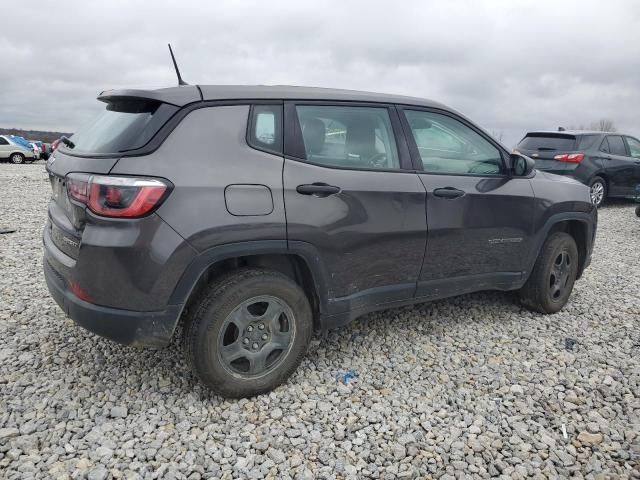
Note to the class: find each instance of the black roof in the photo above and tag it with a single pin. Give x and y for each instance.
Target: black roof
(192, 93)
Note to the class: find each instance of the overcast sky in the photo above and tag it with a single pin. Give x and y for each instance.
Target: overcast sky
(509, 65)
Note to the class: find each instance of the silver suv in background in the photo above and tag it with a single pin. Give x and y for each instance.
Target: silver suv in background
(13, 152)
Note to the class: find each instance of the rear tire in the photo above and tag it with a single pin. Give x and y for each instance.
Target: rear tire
(598, 191)
(248, 333)
(17, 158)
(551, 281)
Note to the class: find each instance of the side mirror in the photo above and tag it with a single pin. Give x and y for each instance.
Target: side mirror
(521, 166)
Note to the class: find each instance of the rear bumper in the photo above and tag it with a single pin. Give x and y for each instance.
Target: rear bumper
(142, 329)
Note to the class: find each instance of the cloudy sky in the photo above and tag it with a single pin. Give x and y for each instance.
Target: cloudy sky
(510, 65)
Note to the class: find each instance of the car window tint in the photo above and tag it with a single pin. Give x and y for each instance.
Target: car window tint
(446, 145)
(351, 137)
(604, 146)
(587, 141)
(616, 145)
(548, 142)
(634, 147)
(3, 141)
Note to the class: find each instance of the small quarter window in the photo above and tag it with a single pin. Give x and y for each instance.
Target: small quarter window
(265, 131)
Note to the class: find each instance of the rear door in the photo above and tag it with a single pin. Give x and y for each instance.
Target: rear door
(351, 195)
(479, 219)
(619, 166)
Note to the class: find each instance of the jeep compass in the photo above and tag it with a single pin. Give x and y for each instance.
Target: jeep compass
(308, 208)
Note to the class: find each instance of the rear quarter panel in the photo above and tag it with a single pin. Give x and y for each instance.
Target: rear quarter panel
(205, 154)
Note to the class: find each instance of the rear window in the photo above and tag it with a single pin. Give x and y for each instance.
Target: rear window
(125, 124)
(548, 142)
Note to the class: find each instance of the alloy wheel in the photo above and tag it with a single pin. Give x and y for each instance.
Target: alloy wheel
(597, 193)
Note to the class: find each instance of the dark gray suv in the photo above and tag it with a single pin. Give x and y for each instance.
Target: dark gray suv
(609, 163)
(261, 214)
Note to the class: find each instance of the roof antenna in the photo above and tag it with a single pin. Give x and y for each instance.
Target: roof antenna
(175, 65)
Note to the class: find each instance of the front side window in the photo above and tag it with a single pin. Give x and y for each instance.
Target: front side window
(448, 146)
(348, 137)
(634, 147)
(616, 145)
(265, 131)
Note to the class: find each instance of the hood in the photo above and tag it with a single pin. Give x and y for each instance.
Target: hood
(557, 178)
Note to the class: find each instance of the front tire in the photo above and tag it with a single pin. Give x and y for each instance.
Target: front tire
(17, 158)
(598, 191)
(248, 333)
(551, 281)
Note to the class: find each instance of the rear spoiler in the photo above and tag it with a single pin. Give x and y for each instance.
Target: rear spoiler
(173, 96)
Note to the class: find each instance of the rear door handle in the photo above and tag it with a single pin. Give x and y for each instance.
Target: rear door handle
(318, 189)
(448, 192)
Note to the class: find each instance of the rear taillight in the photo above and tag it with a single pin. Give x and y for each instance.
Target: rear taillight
(570, 157)
(126, 197)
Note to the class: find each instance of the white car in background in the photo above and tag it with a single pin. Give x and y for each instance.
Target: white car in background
(15, 153)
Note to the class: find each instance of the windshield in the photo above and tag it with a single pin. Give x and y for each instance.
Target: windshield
(126, 124)
(548, 142)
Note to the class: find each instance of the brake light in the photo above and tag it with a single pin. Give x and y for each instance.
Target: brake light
(78, 188)
(126, 197)
(570, 157)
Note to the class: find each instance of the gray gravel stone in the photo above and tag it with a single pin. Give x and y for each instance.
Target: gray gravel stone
(474, 386)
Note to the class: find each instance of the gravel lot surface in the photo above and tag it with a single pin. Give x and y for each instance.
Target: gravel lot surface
(473, 386)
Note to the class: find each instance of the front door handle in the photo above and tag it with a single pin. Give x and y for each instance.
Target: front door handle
(448, 192)
(318, 189)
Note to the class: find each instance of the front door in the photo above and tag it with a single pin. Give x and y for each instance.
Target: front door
(348, 194)
(479, 219)
(619, 166)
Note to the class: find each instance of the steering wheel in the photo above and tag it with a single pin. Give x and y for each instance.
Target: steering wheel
(379, 160)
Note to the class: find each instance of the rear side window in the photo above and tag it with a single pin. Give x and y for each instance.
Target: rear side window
(265, 128)
(616, 145)
(350, 137)
(548, 142)
(3, 141)
(604, 146)
(126, 124)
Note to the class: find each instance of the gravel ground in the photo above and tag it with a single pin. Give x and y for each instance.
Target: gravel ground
(472, 386)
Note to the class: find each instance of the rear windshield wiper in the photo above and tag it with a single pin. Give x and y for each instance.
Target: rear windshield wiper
(546, 149)
(67, 142)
